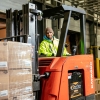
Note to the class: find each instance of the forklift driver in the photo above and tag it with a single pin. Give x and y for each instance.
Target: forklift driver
(49, 45)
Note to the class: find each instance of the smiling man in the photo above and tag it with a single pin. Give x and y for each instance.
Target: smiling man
(49, 45)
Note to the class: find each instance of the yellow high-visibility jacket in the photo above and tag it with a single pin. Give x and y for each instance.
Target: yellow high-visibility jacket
(49, 48)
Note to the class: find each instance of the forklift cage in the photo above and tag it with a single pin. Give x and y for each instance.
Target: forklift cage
(67, 12)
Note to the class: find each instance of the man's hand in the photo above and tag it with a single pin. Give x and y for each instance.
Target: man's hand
(68, 54)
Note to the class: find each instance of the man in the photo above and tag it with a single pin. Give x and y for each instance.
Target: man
(49, 45)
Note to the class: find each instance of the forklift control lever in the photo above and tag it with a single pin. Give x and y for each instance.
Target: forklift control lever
(38, 77)
(38, 13)
(74, 50)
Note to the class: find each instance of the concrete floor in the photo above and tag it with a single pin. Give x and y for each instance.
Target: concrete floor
(97, 97)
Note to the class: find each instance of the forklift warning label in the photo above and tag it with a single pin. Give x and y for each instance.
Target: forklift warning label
(91, 74)
(75, 89)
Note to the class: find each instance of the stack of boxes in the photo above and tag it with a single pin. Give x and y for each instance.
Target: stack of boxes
(15, 71)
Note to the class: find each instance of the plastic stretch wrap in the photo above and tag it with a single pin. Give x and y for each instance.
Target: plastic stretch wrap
(4, 84)
(20, 82)
(16, 83)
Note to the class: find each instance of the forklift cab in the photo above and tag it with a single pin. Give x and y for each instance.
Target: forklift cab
(67, 12)
(67, 78)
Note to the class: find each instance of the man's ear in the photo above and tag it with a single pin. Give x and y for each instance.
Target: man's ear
(53, 33)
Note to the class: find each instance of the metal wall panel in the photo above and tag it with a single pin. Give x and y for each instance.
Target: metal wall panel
(98, 38)
(98, 43)
(87, 41)
(73, 25)
(87, 36)
(48, 23)
(98, 32)
(87, 28)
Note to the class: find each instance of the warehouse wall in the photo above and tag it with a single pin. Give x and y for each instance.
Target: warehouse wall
(73, 25)
(87, 36)
(3, 33)
(98, 40)
(14, 4)
(48, 23)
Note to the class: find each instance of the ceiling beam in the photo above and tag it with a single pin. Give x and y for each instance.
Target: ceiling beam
(82, 1)
(92, 3)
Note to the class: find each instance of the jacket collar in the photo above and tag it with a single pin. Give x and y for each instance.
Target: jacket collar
(47, 39)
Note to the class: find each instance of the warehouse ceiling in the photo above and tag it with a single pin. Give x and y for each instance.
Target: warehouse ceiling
(92, 6)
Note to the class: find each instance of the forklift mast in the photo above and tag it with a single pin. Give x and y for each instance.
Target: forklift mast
(67, 12)
(21, 26)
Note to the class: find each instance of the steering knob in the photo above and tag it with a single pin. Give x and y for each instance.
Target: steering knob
(74, 50)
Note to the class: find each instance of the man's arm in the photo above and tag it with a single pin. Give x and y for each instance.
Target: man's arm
(66, 53)
(44, 49)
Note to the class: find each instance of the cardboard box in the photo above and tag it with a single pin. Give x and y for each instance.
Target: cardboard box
(3, 56)
(15, 83)
(20, 82)
(20, 63)
(15, 55)
(4, 85)
(19, 51)
(20, 91)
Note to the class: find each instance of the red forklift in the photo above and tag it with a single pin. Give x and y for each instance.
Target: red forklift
(70, 77)
(54, 78)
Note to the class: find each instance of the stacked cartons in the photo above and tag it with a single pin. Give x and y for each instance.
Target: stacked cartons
(20, 82)
(4, 74)
(16, 70)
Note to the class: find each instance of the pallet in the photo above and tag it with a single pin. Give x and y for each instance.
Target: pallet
(97, 92)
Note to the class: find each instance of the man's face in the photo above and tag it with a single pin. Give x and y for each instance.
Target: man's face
(49, 34)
